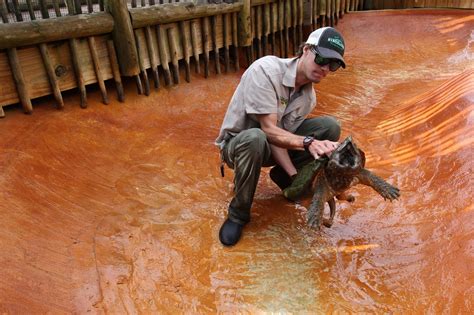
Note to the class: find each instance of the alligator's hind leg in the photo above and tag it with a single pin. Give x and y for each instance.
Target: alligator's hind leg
(386, 190)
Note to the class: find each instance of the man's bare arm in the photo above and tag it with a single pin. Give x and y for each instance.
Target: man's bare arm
(285, 139)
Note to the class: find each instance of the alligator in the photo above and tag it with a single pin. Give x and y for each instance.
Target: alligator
(330, 178)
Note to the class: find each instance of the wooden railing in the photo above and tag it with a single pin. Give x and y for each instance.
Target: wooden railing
(49, 46)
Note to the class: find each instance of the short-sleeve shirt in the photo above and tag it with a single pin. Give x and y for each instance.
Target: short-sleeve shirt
(267, 87)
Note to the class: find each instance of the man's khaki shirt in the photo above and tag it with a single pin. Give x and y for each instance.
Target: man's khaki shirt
(267, 87)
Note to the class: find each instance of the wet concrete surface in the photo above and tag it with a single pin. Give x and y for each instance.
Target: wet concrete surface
(116, 209)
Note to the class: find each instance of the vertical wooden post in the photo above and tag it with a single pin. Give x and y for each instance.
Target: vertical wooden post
(287, 27)
(15, 66)
(48, 65)
(300, 22)
(281, 25)
(205, 44)
(266, 27)
(30, 9)
(226, 29)
(20, 83)
(273, 25)
(51, 74)
(78, 70)
(245, 31)
(17, 11)
(123, 36)
(164, 57)
(78, 7)
(185, 47)
(90, 8)
(71, 8)
(194, 43)
(258, 29)
(98, 69)
(152, 54)
(115, 70)
(235, 40)
(214, 44)
(315, 14)
(75, 60)
(56, 8)
(173, 37)
(294, 23)
(141, 52)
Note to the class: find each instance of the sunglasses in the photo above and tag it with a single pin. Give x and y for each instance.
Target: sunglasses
(334, 64)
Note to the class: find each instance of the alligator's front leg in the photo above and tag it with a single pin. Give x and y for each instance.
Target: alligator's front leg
(332, 211)
(316, 209)
(386, 190)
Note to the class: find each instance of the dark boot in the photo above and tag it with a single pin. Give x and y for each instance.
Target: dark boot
(280, 177)
(230, 232)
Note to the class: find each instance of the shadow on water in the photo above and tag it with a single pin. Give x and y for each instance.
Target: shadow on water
(116, 208)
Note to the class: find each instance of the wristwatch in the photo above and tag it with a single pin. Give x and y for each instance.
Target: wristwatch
(307, 142)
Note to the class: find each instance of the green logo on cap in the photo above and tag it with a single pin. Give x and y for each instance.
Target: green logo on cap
(336, 41)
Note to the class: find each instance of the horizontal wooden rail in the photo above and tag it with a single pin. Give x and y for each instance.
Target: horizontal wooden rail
(49, 30)
(175, 12)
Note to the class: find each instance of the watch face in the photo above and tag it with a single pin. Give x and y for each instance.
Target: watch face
(308, 140)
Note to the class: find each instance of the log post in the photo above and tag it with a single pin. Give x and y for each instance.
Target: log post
(152, 54)
(173, 37)
(49, 66)
(30, 9)
(184, 45)
(273, 25)
(51, 74)
(281, 23)
(20, 83)
(98, 69)
(115, 70)
(164, 56)
(205, 44)
(194, 43)
(15, 66)
(287, 27)
(141, 62)
(56, 8)
(71, 7)
(245, 31)
(214, 44)
(123, 36)
(266, 27)
(235, 40)
(294, 24)
(75, 62)
(226, 29)
(300, 23)
(258, 29)
(79, 71)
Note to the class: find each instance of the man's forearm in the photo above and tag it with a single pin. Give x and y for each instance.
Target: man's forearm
(282, 158)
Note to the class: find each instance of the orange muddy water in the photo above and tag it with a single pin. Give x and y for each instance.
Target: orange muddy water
(116, 209)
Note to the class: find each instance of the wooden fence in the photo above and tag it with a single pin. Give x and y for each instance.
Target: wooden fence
(49, 46)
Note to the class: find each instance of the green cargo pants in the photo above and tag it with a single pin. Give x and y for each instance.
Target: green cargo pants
(249, 151)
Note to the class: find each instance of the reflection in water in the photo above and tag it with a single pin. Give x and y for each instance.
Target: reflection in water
(116, 208)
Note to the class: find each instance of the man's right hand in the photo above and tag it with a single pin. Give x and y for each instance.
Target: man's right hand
(319, 148)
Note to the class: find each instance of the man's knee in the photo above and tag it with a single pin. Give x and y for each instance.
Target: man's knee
(254, 140)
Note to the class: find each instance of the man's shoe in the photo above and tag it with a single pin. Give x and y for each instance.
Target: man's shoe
(230, 232)
(280, 177)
